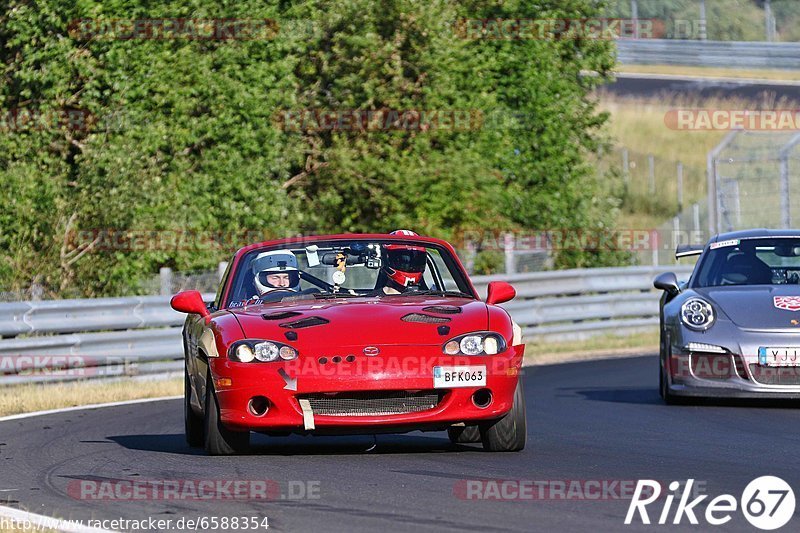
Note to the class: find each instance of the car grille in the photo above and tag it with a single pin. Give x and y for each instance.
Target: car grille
(712, 366)
(775, 375)
(372, 403)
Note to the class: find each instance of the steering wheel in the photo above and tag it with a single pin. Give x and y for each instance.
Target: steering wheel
(275, 296)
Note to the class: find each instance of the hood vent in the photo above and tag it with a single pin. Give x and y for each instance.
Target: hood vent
(443, 309)
(424, 319)
(305, 322)
(280, 315)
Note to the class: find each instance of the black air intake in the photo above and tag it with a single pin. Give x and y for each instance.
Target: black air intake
(424, 319)
(305, 322)
(280, 315)
(443, 309)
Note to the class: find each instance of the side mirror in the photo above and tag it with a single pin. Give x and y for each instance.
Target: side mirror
(499, 292)
(189, 302)
(667, 282)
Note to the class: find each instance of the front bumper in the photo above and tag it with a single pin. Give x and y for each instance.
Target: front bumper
(730, 375)
(393, 372)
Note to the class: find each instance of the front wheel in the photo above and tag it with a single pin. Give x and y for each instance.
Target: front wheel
(192, 423)
(507, 434)
(220, 440)
(464, 434)
(663, 389)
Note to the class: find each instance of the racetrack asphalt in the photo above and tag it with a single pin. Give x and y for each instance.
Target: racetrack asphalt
(597, 420)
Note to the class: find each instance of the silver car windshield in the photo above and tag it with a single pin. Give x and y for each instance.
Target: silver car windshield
(768, 261)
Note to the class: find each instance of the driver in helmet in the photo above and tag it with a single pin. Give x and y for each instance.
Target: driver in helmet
(276, 271)
(403, 265)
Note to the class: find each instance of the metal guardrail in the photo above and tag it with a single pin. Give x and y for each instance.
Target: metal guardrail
(63, 340)
(709, 53)
(575, 304)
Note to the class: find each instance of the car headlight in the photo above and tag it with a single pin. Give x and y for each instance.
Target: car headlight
(479, 343)
(264, 351)
(697, 314)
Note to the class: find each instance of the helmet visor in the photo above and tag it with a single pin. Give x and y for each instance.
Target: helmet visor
(407, 260)
(287, 279)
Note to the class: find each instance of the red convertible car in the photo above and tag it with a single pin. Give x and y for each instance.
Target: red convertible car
(351, 334)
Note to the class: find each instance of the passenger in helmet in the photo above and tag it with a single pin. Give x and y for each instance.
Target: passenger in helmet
(403, 265)
(276, 271)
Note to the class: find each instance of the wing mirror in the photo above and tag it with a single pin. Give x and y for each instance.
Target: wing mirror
(668, 283)
(189, 302)
(499, 292)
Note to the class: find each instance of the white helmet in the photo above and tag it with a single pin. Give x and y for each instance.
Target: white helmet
(275, 262)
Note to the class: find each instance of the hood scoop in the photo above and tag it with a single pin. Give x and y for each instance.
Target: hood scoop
(280, 315)
(305, 322)
(422, 318)
(443, 309)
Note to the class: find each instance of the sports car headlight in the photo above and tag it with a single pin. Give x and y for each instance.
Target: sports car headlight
(697, 314)
(264, 351)
(478, 343)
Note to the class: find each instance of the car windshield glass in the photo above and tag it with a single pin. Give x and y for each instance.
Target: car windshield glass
(768, 261)
(346, 268)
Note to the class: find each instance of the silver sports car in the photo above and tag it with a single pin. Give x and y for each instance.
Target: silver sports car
(733, 330)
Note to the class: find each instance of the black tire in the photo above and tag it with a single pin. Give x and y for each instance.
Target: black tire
(464, 434)
(507, 434)
(192, 423)
(663, 390)
(220, 440)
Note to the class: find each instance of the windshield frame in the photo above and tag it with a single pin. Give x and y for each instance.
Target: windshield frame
(709, 254)
(445, 250)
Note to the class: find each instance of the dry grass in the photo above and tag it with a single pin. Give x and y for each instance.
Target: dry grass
(639, 126)
(705, 72)
(21, 529)
(600, 346)
(28, 398)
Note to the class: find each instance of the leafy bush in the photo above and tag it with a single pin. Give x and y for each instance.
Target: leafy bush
(185, 135)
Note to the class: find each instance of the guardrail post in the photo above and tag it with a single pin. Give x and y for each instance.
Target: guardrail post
(508, 249)
(703, 21)
(635, 17)
(37, 291)
(768, 21)
(626, 176)
(165, 273)
(680, 186)
(651, 168)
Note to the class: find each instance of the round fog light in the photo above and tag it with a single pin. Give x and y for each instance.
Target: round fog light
(482, 398)
(258, 405)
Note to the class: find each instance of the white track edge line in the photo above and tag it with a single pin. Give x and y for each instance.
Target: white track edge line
(42, 521)
(85, 407)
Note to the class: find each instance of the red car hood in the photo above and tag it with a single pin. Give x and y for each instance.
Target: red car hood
(365, 321)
